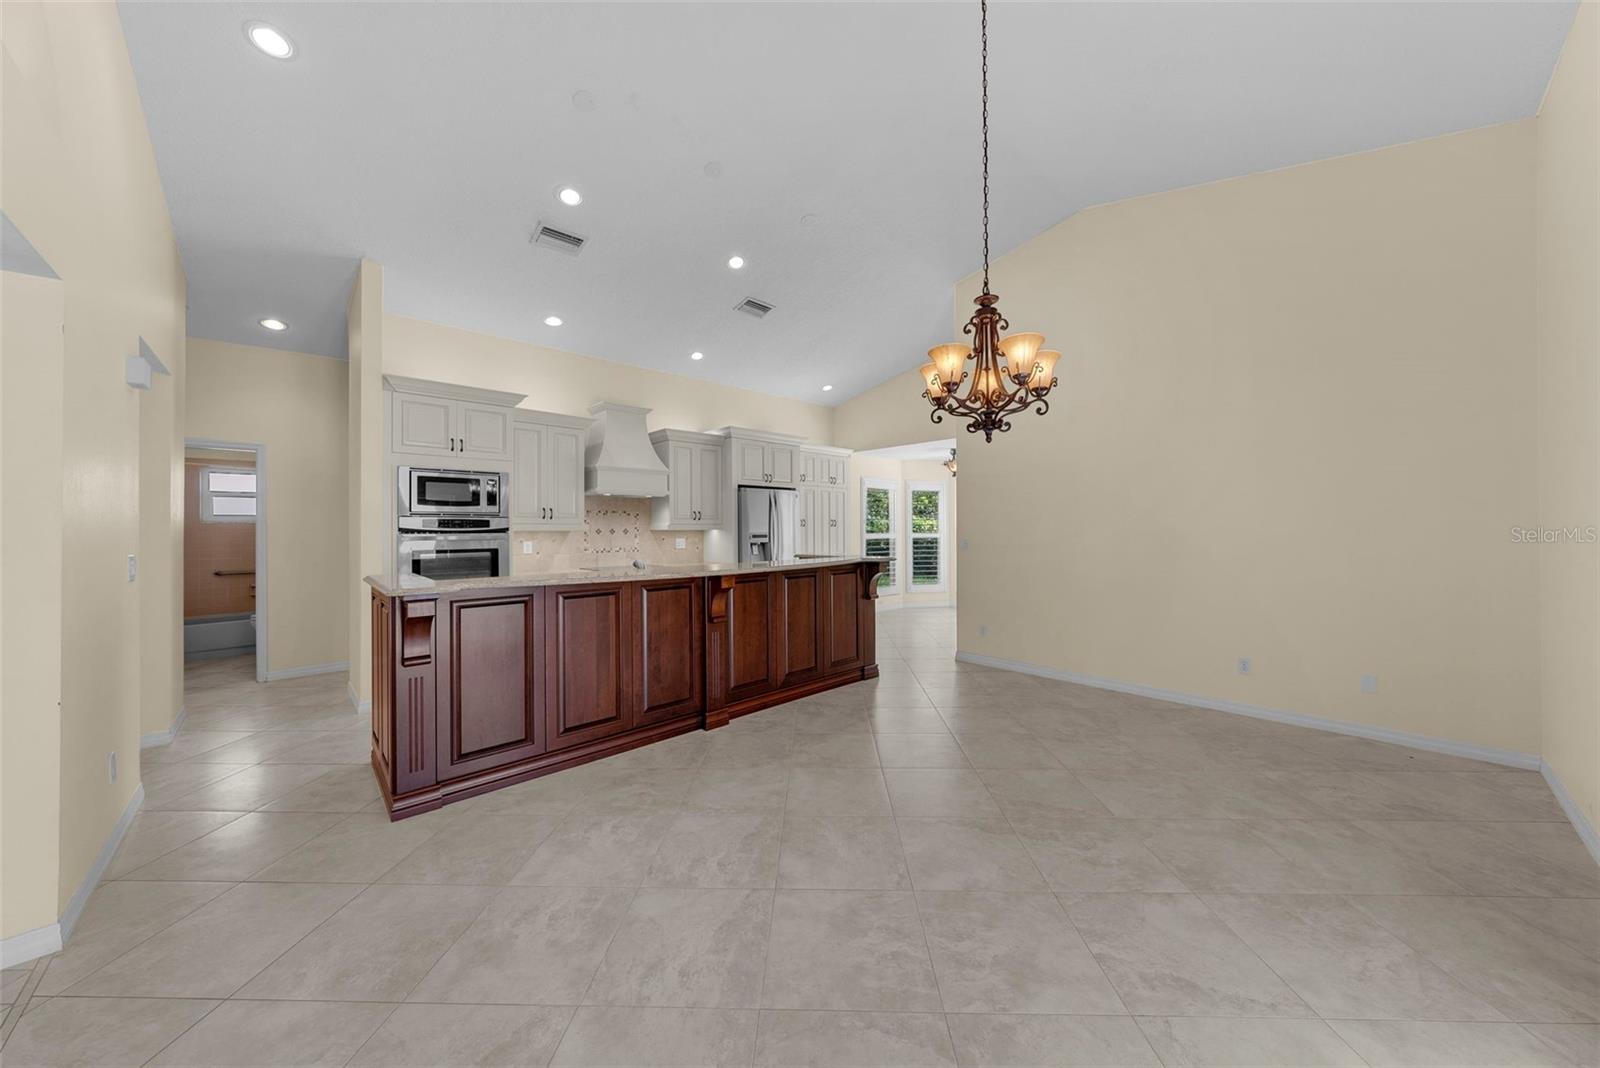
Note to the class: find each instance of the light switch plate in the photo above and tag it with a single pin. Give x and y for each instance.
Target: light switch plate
(527, 547)
(133, 567)
(681, 543)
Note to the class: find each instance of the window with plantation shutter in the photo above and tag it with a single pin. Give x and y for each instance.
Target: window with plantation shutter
(925, 529)
(879, 539)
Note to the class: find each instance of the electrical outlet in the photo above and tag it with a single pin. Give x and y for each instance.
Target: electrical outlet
(133, 567)
(111, 766)
(1369, 684)
(681, 543)
(1244, 665)
(527, 547)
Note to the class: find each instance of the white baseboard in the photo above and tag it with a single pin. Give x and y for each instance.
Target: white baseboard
(19, 949)
(309, 669)
(1508, 757)
(30, 945)
(159, 738)
(1580, 821)
(362, 707)
(74, 909)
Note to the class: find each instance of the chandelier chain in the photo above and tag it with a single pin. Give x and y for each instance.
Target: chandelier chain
(984, 49)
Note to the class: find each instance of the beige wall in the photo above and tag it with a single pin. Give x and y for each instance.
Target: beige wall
(892, 413)
(566, 382)
(1569, 406)
(368, 530)
(295, 405)
(1296, 422)
(78, 177)
(30, 601)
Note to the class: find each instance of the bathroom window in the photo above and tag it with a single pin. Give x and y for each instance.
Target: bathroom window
(227, 495)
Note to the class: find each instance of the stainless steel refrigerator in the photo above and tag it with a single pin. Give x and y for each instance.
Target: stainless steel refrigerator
(768, 527)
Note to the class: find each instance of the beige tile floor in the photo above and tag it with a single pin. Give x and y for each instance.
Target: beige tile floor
(946, 866)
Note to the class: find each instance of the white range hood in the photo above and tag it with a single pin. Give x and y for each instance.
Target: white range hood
(619, 460)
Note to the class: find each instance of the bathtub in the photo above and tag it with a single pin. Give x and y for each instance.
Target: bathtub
(209, 636)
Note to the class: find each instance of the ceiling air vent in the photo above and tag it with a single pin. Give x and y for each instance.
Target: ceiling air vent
(753, 307)
(560, 240)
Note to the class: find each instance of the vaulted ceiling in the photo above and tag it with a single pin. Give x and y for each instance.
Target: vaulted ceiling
(833, 146)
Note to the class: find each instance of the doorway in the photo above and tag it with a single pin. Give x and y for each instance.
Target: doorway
(225, 557)
(905, 514)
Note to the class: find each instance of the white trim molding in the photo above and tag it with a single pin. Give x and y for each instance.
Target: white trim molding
(361, 707)
(156, 739)
(30, 945)
(1508, 757)
(1580, 822)
(309, 669)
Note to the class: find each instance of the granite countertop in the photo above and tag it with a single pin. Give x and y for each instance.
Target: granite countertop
(400, 585)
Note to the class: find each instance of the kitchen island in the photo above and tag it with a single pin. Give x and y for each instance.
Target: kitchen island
(479, 683)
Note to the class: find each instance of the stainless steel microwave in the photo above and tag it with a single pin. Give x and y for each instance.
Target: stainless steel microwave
(432, 491)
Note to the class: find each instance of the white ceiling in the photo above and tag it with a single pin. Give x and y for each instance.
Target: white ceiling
(834, 146)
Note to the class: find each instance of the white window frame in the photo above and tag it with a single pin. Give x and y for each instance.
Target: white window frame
(208, 513)
(912, 537)
(891, 485)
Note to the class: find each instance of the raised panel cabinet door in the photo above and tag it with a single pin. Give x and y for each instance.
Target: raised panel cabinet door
(483, 431)
(780, 463)
(750, 636)
(842, 626)
(681, 483)
(800, 609)
(672, 665)
(527, 474)
(750, 461)
(489, 662)
(562, 484)
(803, 520)
(835, 527)
(708, 484)
(423, 424)
(590, 650)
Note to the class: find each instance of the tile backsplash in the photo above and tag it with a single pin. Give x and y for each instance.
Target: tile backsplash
(616, 531)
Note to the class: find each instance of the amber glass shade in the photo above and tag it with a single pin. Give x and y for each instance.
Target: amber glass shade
(989, 385)
(930, 378)
(1019, 350)
(949, 360)
(1044, 369)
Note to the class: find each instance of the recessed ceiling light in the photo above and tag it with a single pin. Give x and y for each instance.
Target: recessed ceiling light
(271, 40)
(697, 355)
(569, 196)
(275, 324)
(552, 320)
(736, 262)
(826, 389)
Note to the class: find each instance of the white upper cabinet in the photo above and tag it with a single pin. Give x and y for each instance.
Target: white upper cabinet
(547, 471)
(450, 422)
(694, 481)
(821, 468)
(764, 463)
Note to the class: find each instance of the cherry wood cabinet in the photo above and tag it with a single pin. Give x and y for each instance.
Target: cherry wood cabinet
(477, 688)
(589, 684)
(672, 671)
(491, 669)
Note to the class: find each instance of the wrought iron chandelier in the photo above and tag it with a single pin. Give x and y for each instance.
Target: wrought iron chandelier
(994, 391)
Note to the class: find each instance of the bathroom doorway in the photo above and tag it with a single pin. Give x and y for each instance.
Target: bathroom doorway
(224, 558)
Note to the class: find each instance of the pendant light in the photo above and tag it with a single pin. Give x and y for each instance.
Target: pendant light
(1010, 374)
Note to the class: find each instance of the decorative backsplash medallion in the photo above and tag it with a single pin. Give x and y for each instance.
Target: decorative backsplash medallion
(616, 531)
